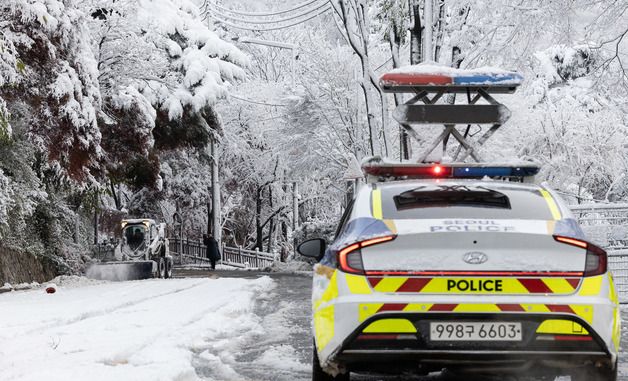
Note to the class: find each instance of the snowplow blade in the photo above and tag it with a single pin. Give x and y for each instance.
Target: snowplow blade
(120, 271)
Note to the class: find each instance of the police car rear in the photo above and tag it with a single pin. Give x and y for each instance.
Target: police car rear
(474, 276)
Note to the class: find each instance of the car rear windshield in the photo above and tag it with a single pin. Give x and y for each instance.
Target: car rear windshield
(463, 201)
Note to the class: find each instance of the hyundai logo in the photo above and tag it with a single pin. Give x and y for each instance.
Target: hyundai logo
(475, 258)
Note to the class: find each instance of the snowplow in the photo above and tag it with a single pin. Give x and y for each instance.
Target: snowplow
(142, 253)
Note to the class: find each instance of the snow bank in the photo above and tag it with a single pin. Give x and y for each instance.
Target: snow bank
(292, 267)
(73, 281)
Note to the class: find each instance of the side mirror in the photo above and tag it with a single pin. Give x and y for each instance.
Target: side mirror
(313, 248)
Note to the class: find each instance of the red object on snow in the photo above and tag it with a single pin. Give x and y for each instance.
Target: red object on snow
(50, 290)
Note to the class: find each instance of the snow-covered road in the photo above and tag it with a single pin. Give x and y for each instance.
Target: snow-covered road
(143, 330)
(239, 327)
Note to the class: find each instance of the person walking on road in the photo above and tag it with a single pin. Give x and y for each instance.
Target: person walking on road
(212, 250)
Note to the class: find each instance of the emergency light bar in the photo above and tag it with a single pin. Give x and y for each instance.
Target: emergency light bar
(450, 79)
(453, 170)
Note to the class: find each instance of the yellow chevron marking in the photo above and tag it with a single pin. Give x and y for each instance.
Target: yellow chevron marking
(591, 286)
(535, 308)
(474, 285)
(616, 328)
(555, 326)
(612, 295)
(357, 284)
(504, 285)
(417, 307)
(376, 200)
(330, 293)
(551, 204)
(558, 285)
(324, 326)
(477, 308)
(612, 292)
(390, 284)
(367, 310)
(390, 326)
(585, 312)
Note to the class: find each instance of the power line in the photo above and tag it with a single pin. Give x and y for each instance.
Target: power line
(293, 17)
(222, 21)
(257, 102)
(263, 14)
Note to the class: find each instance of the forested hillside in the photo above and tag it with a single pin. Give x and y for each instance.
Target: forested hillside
(108, 108)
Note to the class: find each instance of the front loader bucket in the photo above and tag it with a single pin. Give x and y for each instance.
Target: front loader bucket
(120, 271)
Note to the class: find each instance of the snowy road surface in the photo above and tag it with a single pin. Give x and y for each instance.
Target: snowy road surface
(241, 326)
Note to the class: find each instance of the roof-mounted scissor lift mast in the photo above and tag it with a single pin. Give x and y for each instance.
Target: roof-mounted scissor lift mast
(428, 84)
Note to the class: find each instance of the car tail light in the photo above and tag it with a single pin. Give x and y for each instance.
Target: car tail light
(350, 258)
(596, 261)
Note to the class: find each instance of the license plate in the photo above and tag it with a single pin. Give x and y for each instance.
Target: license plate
(475, 331)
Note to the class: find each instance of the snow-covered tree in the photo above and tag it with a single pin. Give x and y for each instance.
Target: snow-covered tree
(94, 97)
(161, 71)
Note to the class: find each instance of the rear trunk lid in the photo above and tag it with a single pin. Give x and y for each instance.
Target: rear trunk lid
(472, 237)
(468, 245)
(513, 262)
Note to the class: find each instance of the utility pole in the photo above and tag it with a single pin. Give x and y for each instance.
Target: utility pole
(416, 57)
(295, 206)
(429, 24)
(96, 210)
(416, 32)
(216, 224)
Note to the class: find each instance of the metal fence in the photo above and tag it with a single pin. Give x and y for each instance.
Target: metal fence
(247, 258)
(607, 226)
(188, 252)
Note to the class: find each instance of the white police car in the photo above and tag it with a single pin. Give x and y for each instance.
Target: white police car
(452, 271)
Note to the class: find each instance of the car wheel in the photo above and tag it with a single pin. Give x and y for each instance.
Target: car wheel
(161, 267)
(318, 374)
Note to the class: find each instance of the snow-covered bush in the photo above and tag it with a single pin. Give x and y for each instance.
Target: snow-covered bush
(561, 63)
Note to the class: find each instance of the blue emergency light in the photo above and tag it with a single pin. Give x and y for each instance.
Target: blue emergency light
(495, 171)
(487, 79)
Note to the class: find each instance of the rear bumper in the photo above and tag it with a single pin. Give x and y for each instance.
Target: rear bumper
(415, 352)
(425, 361)
(347, 305)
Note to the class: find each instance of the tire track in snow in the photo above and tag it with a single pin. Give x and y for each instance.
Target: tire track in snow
(275, 346)
(170, 336)
(101, 312)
